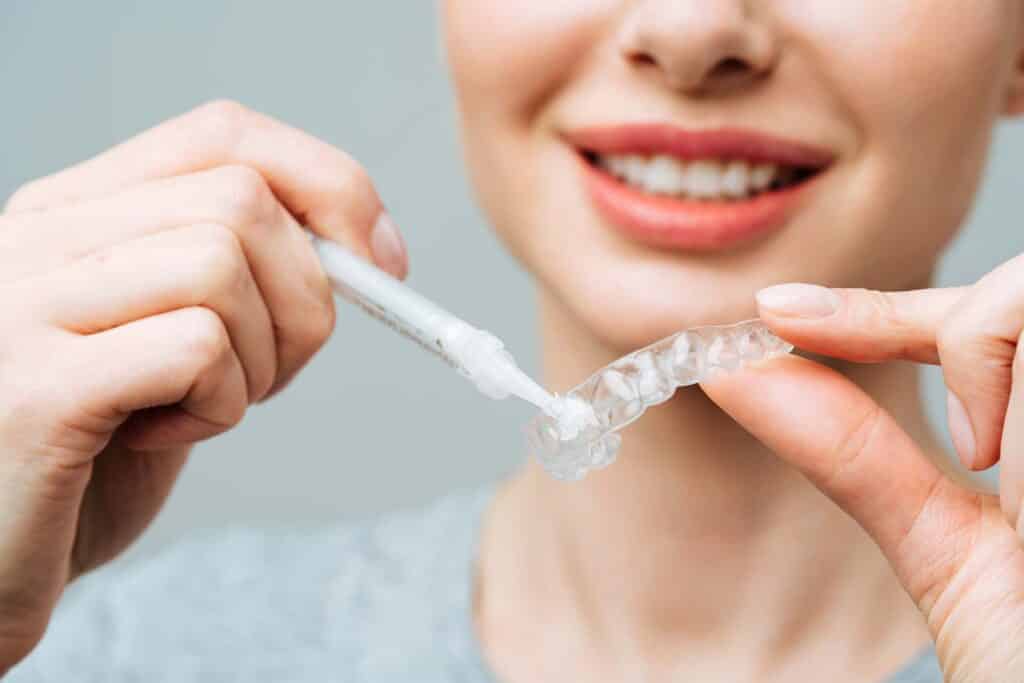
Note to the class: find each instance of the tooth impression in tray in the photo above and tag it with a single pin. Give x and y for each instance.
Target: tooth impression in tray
(578, 431)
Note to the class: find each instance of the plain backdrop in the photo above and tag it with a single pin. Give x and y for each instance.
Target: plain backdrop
(373, 423)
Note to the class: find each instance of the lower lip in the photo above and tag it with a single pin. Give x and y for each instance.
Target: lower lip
(676, 223)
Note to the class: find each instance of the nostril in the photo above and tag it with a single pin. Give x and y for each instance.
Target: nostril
(643, 59)
(729, 68)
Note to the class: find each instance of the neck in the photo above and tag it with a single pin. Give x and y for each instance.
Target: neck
(697, 540)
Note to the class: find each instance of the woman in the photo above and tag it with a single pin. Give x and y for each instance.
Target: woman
(656, 165)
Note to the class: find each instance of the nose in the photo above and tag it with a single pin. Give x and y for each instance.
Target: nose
(699, 46)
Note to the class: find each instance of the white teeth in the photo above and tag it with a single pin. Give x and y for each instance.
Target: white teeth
(615, 165)
(664, 175)
(704, 179)
(762, 175)
(736, 181)
(635, 170)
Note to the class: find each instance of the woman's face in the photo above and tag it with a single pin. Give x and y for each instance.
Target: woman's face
(654, 163)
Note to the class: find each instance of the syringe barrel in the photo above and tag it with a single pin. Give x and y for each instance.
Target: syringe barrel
(474, 353)
(387, 299)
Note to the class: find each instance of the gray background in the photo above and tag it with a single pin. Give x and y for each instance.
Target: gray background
(373, 424)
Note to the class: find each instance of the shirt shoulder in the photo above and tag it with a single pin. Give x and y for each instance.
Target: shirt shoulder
(387, 599)
(403, 610)
(923, 669)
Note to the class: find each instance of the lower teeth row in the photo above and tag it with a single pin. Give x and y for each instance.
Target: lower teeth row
(578, 431)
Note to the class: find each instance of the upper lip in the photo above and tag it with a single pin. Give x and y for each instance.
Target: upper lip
(688, 145)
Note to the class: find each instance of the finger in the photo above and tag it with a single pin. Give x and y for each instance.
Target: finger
(322, 187)
(977, 345)
(1011, 471)
(856, 454)
(859, 324)
(177, 371)
(972, 331)
(200, 265)
(280, 256)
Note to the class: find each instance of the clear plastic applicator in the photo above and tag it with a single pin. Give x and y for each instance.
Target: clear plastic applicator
(477, 355)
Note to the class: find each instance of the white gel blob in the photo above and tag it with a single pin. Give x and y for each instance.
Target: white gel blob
(572, 416)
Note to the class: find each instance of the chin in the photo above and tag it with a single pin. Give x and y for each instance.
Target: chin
(630, 306)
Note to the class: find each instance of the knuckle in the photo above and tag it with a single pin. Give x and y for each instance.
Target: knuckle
(881, 303)
(356, 179)
(232, 409)
(939, 563)
(244, 196)
(858, 441)
(952, 338)
(881, 307)
(205, 336)
(240, 407)
(318, 324)
(221, 123)
(968, 351)
(353, 191)
(361, 194)
(221, 262)
(23, 198)
(309, 332)
(261, 383)
(322, 325)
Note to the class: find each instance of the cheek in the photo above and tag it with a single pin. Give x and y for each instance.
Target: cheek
(508, 61)
(507, 56)
(923, 83)
(910, 62)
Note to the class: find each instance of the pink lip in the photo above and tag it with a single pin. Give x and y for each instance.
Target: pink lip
(688, 224)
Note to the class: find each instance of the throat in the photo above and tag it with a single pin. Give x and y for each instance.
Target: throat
(637, 571)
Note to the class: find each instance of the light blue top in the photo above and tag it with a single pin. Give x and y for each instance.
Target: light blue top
(387, 601)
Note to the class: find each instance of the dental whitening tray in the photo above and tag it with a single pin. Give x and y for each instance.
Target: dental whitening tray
(574, 433)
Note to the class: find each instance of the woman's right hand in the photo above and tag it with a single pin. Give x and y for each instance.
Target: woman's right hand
(147, 297)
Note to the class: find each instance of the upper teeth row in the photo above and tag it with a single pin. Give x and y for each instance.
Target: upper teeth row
(702, 179)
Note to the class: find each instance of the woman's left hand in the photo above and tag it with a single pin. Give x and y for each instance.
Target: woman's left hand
(958, 552)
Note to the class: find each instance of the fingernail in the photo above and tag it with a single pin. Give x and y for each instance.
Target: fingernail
(388, 248)
(798, 300)
(960, 430)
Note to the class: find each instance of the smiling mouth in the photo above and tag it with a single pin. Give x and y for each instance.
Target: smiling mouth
(703, 190)
(704, 180)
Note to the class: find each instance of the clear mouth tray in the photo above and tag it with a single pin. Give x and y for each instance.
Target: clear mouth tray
(578, 431)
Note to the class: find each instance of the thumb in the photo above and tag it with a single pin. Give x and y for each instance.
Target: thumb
(857, 455)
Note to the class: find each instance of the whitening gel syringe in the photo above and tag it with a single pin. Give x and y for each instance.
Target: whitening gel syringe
(474, 353)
